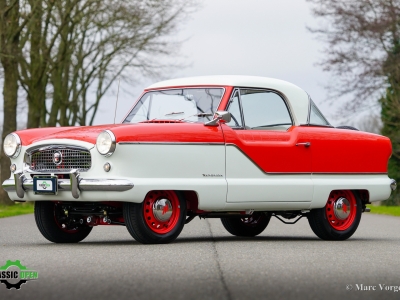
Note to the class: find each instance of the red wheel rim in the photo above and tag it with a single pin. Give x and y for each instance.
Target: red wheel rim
(341, 209)
(161, 211)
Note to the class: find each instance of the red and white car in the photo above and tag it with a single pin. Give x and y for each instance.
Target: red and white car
(239, 148)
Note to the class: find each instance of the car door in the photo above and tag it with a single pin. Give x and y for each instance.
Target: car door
(267, 158)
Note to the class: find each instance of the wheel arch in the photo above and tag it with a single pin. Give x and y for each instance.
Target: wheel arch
(363, 194)
(192, 200)
(191, 197)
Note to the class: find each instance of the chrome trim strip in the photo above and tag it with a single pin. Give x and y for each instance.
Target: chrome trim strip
(309, 110)
(350, 173)
(316, 125)
(172, 143)
(109, 185)
(52, 147)
(9, 185)
(115, 185)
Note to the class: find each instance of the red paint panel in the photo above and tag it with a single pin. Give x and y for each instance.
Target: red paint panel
(84, 133)
(332, 150)
(169, 132)
(348, 151)
(140, 132)
(273, 151)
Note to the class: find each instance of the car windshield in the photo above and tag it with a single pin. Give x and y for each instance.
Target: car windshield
(189, 105)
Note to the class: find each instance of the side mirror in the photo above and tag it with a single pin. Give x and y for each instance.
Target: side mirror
(224, 116)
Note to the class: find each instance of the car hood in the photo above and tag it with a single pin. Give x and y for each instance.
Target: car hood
(139, 132)
(82, 133)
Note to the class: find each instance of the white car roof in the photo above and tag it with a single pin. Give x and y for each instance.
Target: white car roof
(297, 98)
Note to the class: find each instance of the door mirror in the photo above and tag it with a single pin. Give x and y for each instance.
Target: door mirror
(224, 116)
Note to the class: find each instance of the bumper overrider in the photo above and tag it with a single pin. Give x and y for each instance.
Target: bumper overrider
(75, 184)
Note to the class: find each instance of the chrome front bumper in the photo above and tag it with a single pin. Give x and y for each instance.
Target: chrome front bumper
(20, 184)
(393, 184)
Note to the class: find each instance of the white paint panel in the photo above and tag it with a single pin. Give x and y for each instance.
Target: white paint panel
(175, 166)
(154, 167)
(247, 183)
(180, 167)
(378, 186)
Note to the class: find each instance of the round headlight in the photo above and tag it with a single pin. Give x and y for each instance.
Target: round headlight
(12, 145)
(106, 143)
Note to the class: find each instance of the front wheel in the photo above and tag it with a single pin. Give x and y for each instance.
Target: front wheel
(340, 217)
(55, 226)
(249, 226)
(159, 219)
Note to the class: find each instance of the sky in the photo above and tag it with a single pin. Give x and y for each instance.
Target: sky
(237, 37)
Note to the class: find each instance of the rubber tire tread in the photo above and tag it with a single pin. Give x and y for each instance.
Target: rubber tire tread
(137, 227)
(236, 227)
(44, 217)
(348, 127)
(321, 227)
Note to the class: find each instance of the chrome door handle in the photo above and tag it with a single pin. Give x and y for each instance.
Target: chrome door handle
(307, 144)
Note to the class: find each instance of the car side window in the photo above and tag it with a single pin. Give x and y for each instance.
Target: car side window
(264, 110)
(234, 109)
(316, 117)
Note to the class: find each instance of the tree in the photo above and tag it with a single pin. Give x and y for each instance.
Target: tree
(66, 54)
(362, 53)
(10, 29)
(77, 48)
(370, 123)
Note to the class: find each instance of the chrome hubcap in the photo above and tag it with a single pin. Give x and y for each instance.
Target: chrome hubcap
(342, 208)
(162, 210)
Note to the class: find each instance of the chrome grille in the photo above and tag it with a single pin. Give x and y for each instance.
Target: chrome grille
(41, 160)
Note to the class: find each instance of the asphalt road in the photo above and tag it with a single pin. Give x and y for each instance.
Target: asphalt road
(206, 262)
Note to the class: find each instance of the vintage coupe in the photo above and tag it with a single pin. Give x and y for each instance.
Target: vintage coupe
(238, 148)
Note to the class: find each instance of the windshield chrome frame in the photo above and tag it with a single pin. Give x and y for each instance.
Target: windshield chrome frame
(176, 88)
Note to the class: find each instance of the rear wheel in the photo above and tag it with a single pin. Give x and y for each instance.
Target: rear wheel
(158, 219)
(340, 217)
(249, 226)
(49, 218)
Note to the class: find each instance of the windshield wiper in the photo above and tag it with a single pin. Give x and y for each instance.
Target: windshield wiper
(174, 113)
(203, 115)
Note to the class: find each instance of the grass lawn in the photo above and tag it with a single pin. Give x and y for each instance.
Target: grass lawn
(17, 209)
(385, 210)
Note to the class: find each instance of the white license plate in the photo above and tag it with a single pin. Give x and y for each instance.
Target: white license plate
(45, 185)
